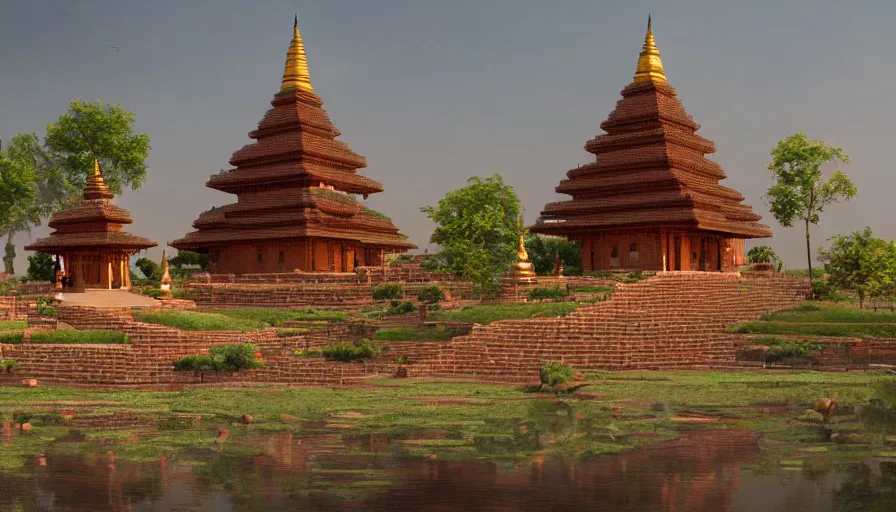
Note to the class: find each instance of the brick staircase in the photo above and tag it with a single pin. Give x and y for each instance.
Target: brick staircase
(674, 320)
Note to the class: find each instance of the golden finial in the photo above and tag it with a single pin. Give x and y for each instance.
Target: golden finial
(523, 267)
(165, 282)
(295, 74)
(96, 186)
(650, 67)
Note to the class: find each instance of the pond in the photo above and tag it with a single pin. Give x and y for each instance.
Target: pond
(637, 441)
(327, 468)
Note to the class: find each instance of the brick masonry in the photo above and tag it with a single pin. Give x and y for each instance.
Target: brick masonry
(653, 324)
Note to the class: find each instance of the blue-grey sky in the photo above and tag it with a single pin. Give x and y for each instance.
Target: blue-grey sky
(433, 92)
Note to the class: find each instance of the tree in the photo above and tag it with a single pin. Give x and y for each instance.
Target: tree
(41, 267)
(62, 164)
(189, 259)
(543, 252)
(19, 193)
(800, 192)
(764, 254)
(149, 268)
(862, 263)
(478, 228)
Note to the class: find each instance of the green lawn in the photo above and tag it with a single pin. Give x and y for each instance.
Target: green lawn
(12, 325)
(826, 313)
(488, 313)
(277, 317)
(416, 334)
(198, 321)
(592, 289)
(66, 337)
(813, 319)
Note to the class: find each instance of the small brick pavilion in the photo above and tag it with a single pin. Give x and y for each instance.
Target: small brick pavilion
(296, 189)
(88, 240)
(651, 200)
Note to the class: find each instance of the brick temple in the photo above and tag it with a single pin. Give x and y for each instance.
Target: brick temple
(89, 241)
(296, 189)
(651, 200)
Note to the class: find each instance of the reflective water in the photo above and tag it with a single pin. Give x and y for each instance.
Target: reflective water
(705, 469)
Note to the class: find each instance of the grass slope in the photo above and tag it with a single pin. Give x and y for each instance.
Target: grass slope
(198, 321)
(813, 319)
(488, 313)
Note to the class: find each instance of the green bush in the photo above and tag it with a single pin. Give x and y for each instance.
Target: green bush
(780, 349)
(225, 358)
(387, 292)
(401, 308)
(547, 293)
(44, 306)
(363, 349)
(152, 292)
(556, 373)
(6, 364)
(430, 294)
(822, 290)
(308, 353)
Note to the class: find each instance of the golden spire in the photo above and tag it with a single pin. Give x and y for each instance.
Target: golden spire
(523, 267)
(96, 186)
(295, 74)
(650, 67)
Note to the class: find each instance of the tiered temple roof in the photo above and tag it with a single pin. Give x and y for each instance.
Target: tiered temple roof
(296, 179)
(93, 223)
(650, 169)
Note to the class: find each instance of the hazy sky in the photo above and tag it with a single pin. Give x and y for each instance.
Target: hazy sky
(434, 92)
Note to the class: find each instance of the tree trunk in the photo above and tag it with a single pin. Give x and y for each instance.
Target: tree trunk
(10, 256)
(809, 255)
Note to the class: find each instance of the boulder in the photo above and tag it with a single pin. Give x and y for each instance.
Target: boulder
(247, 419)
(30, 383)
(26, 427)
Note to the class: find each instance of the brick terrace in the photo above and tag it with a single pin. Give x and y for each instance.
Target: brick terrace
(653, 324)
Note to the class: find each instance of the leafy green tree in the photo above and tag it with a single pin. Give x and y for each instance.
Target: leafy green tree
(41, 267)
(800, 191)
(861, 262)
(764, 254)
(149, 268)
(189, 259)
(543, 252)
(18, 194)
(62, 164)
(478, 228)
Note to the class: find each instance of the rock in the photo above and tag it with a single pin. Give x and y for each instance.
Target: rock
(30, 383)
(288, 418)
(247, 419)
(26, 427)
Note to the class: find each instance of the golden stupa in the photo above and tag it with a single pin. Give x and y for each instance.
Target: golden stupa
(650, 67)
(523, 267)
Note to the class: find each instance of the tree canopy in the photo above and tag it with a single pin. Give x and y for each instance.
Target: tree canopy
(800, 191)
(477, 226)
(764, 254)
(861, 262)
(59, 167)
(543, 252)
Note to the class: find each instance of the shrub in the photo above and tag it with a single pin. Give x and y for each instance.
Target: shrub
(152, 292)
(547, 293)
(44, 306)
(41, 267)
(430, 294)
(556, 373)
(780, 349)
(225, 358)
(387, 292)
(308, 353)
(401, 308)
(822, 290)
(634, 277)
(7, 364)
(345, 352)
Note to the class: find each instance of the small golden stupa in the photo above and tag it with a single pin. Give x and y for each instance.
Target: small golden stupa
(523, 267)
(165, 284)
(650, 67)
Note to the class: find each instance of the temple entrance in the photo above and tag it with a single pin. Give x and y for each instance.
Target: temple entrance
(108, 270)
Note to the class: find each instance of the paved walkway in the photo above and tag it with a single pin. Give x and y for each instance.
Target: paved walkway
(109, 299)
